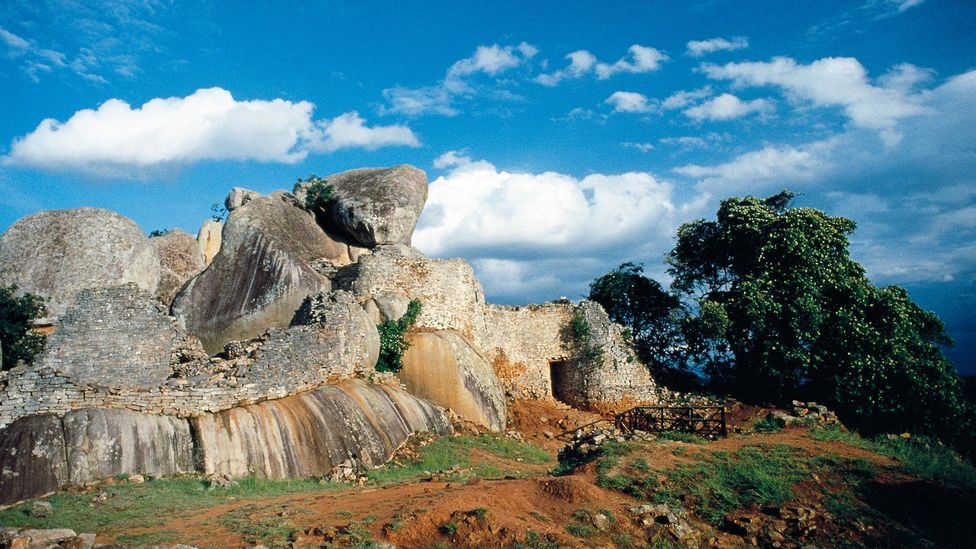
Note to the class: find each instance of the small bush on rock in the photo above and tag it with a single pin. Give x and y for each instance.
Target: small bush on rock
(393, 341)
(17, 339)
(317, 194)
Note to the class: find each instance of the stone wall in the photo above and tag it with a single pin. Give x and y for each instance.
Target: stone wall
(451, 296)
(521, 342)
(118, 336)
(525, 344)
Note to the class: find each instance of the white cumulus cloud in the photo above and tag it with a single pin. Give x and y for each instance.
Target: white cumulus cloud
(836, 82)
(639, 59)
(624, 101)
(206, 125)
(728, 107)
(698, 48)
(479, 211)
(580, 62)
(458, 81)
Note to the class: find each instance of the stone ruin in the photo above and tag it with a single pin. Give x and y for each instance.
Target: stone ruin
(251, 350)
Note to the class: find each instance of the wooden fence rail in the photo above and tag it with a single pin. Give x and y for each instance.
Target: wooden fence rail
(707, 421)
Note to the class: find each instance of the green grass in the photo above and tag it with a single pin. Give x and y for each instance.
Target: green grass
(166, 537)
(724, 481)
(535, 540)
(579, 529)
(131, 506)
(449, 528)
(767, 424)
(920, 457)
(446, 452)
(267, 524)
(679, 436)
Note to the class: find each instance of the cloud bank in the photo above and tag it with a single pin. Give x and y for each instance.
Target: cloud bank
(206, 125)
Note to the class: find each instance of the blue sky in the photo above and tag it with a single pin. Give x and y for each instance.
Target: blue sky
(560, 138)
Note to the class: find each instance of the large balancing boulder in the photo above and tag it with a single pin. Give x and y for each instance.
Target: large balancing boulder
(261, 274)
(181, 259)
(445, 369)
(56, 253)
(375, 206)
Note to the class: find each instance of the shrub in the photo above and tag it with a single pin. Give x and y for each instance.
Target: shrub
(318, 193)
(449, 528)
(580, 332)
(17, 340)
(217, 212)
(393, 341)
(158, 232)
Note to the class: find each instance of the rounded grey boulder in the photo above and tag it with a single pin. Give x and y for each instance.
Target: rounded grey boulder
(260, 276)
(375, 206)
(181, 259)
(56, 253)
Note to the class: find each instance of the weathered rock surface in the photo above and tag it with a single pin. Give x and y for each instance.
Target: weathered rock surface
(239, 196)
(445, 369)
(104, 443)
(32, 458)
(261, 274)
(180, 259)
(56, 253)
(40, 454)
(209, 239)
(310, 434)
(451, 297)
(336, 340)
(116, 337)
(376, 206)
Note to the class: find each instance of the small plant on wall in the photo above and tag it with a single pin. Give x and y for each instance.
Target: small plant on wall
(393, 341)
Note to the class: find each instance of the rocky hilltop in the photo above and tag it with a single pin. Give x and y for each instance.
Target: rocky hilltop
(252, 349)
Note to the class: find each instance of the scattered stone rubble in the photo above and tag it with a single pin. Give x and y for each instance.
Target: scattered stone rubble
(805, 413)
(26, 538)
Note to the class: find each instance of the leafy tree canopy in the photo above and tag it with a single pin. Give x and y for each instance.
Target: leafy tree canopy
(17, 340)
(640, 304)
(784, 312)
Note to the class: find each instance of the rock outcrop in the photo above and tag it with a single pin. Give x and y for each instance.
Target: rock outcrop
(376, 206)
(32, 458)
(335, 340)
(105, 443)
(180, 260)
(238, 196)
(112, 337)
(310, 434)
(445, 369)
(56, 253)
(261, 274)
(209, 239)
(451, 296)
(44, 453)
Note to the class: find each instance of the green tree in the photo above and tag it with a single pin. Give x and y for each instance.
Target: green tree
(17, 340)
(784, 312)
(650, 313)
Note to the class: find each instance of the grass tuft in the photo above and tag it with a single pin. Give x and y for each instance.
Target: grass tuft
(919, 456)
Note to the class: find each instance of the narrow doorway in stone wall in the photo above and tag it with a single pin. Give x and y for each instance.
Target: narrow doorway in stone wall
(559, 378)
